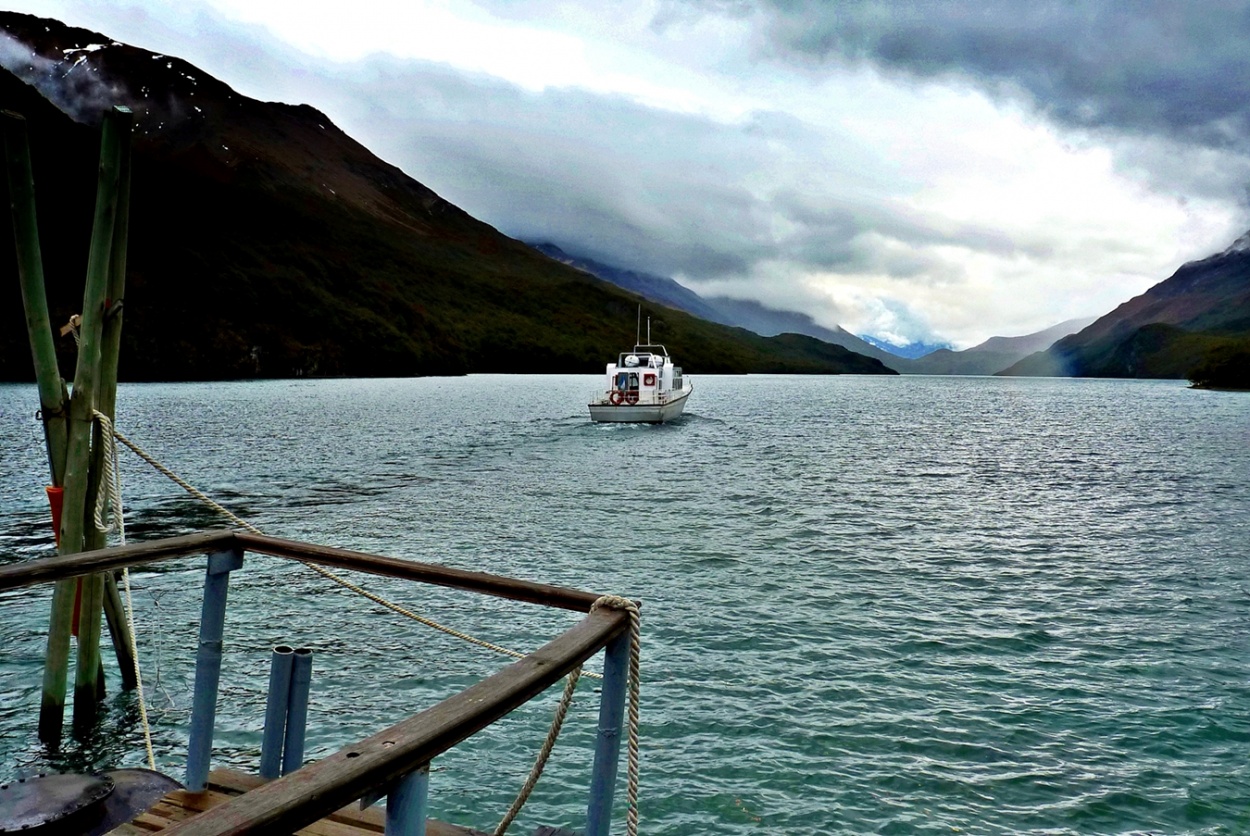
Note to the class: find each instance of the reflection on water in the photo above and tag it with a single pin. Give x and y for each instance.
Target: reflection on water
(904, 604)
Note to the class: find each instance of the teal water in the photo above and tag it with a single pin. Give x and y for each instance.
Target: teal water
(891, 605)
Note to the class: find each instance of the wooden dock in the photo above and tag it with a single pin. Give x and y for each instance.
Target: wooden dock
(224, 784)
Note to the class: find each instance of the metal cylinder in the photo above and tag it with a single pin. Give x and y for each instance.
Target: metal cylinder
(275, 711)
(297, 711)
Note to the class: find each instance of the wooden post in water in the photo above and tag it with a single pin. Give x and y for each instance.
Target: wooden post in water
(34, 297)
(69, 438)
(109, 249)
(110, 350)
(89, 383)
(52, 400)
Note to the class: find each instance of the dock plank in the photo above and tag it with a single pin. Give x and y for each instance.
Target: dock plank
(224, 784)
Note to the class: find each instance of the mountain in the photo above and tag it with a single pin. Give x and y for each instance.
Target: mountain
(995, 354)
(656, 288)
(739, 313)
(909, 351)
(1200, 313)
(265, 242)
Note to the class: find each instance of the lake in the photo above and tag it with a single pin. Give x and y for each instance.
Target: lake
(870, 604)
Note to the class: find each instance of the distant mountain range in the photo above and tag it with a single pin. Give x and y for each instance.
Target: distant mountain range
(265, 242)
(1197, 318)
(989, 357)
(996, 353)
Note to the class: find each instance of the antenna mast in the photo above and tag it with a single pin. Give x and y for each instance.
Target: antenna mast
(638, 326)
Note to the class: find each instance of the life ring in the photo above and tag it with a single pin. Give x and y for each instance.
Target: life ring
(616, 397)
(631, 397)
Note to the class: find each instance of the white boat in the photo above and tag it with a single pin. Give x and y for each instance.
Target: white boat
(643, 387)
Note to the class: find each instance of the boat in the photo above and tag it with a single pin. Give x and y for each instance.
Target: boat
(643, 387)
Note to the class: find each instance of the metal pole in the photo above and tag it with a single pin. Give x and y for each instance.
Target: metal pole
(208, 666)
(275, 712)
(297, 711)
(608, 745)
(407, 805)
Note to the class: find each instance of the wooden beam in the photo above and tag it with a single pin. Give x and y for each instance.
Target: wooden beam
(482, 582)
(48, 569)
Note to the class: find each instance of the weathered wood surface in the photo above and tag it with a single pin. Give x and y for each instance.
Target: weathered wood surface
(30, 573)
(33, 572)
(487, 584)
(227, 784)
(302, 797)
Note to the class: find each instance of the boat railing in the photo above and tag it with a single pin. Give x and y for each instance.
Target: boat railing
(393, 762)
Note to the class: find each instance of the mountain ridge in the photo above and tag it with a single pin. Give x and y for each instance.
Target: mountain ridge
(267, 242)
(1168, 331)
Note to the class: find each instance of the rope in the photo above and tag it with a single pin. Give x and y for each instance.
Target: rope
(326, 573)
(540, 763)
(631, 791)
(111, 482)
(557, 723)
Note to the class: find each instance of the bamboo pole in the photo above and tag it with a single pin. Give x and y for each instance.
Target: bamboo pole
(52, 400)
(34, 298)
(110, 350)
(89, 381)
(77, 467)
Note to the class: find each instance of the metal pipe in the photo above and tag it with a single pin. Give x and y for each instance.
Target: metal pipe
(407, 805)
(297, 711)
(275, 712)
(208, 666)
(608, 744)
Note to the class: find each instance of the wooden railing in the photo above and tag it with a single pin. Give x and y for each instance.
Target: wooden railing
(380, 764)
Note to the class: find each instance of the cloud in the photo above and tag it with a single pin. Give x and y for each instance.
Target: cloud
(928, 171)
(70, 83)
(1153, 67)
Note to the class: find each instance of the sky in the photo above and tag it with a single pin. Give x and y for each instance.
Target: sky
(940, 172)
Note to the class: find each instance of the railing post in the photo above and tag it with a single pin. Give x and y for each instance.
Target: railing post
(297, 711)
(208, 666)
(608, 745)
(407, 804)
(275, 712)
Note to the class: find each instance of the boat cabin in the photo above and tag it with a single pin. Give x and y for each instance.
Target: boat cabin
(641, 374)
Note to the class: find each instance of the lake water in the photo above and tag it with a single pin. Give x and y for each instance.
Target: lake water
(894, 605)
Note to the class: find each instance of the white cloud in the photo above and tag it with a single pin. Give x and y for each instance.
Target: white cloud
(661, 138)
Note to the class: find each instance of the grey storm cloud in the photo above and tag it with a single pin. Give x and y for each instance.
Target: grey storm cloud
(778, 201)
(1154, 67)
(659, 191)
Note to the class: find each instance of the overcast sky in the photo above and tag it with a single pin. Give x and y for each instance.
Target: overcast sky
(914, 171)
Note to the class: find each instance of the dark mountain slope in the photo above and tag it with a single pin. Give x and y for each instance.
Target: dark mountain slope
(266, 242)
(738, 313)
(1165, 332)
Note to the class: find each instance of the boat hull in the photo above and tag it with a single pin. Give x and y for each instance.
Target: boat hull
(604, 412)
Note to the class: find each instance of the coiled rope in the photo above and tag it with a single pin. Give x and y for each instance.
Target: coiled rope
(631, 787)
(111, 495)
(112, 478)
